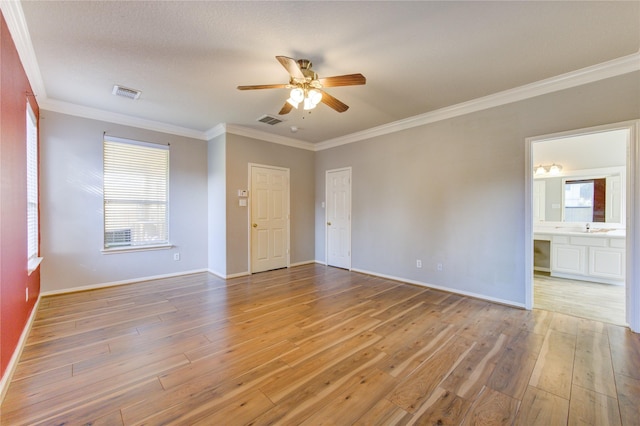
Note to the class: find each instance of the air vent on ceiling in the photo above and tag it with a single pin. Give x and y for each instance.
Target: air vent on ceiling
(269, 119)
(126, 92)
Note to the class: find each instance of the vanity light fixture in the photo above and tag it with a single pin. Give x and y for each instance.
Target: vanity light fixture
(553, 169)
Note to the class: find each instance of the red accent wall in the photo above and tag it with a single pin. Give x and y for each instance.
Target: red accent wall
(14, 279)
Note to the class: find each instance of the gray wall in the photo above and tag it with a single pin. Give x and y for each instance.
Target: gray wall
(71, 205)
(241, 151)
(452, 192)
(217, 193)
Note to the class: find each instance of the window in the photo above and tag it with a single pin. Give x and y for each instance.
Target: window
(32, 189)
(584, 200)
(136, 189)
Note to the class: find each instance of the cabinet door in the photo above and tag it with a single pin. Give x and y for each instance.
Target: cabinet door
(569, 259)
(607, 263)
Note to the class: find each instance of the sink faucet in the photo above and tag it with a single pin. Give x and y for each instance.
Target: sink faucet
(588, 226)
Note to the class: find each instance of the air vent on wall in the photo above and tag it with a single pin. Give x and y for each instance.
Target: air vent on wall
(269, 119)
(126, 92)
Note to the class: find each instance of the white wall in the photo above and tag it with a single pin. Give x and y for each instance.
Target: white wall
(452, 192)
(71, 206)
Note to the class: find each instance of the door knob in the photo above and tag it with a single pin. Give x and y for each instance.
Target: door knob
(329, 223)
(255, 225)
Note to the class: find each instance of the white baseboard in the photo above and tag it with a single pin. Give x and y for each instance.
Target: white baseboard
(13, 362)
(123, 282)
(447, 289)
(238, 274)
(306, 262)
(245, 273)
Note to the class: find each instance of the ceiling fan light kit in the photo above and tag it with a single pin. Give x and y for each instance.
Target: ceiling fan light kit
(306, 87)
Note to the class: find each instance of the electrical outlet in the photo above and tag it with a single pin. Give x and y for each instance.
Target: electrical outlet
(418, 263)
(176, 256)
(439, 266)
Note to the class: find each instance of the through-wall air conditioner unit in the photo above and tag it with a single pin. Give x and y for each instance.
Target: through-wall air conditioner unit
(119, 237)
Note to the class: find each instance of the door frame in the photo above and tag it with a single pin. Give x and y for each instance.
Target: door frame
(632, 279)
(326, 228)
(249, 212)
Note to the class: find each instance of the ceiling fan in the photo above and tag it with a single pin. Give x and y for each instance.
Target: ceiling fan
(306, 87)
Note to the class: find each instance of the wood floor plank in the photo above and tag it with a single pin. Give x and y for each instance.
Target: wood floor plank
(441, 408)
(469, 378)
(625, 351)
(319, 345)
(359, 398)
(540, 408)
(229, 362)
(384, 412)
(54, 361)
(405, 359)
(593, 368)
(279, 386)
(592, 408)
(304, 399)
(239, 410)
(200, 396)
(554, 367)
(492, 408)
(628, 397)
(513, 370)
(417, 387)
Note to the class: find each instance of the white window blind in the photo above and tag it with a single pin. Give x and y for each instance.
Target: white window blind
(136, 190)
(32, 185)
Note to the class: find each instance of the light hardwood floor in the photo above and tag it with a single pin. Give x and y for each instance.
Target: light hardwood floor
(315, 345)
(584, 299)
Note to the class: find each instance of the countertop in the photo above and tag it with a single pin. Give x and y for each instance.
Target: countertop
(594, 232)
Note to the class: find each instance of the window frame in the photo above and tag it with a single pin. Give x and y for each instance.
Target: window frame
(33, 189)
(139, 245)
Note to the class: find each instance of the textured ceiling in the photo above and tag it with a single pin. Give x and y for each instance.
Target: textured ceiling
(187, 57)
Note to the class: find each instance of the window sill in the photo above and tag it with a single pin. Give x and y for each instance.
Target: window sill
(128, 249)
(33, 264)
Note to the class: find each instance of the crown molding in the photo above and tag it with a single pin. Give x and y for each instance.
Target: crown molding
(591, 74)
(216, 131)
(117, 118)
(14, 16)
(268, 137)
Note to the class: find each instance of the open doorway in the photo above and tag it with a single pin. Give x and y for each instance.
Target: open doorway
(579, 185)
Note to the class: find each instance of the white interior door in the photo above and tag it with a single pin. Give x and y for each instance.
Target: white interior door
(269, 194)
(338, 208)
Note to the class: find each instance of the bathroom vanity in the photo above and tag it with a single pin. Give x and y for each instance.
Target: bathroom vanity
(597, 255)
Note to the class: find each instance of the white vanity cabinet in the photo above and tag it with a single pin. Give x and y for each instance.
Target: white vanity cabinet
(595, 258)
(567, 258)
(607, 262)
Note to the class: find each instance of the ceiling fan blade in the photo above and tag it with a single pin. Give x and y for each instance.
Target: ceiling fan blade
(286, 108)
(263, 86)
(334, 103)
(291, 66)
(343, 80)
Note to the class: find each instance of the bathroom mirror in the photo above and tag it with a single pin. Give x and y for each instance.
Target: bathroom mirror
(582, 196)
(580, 178)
